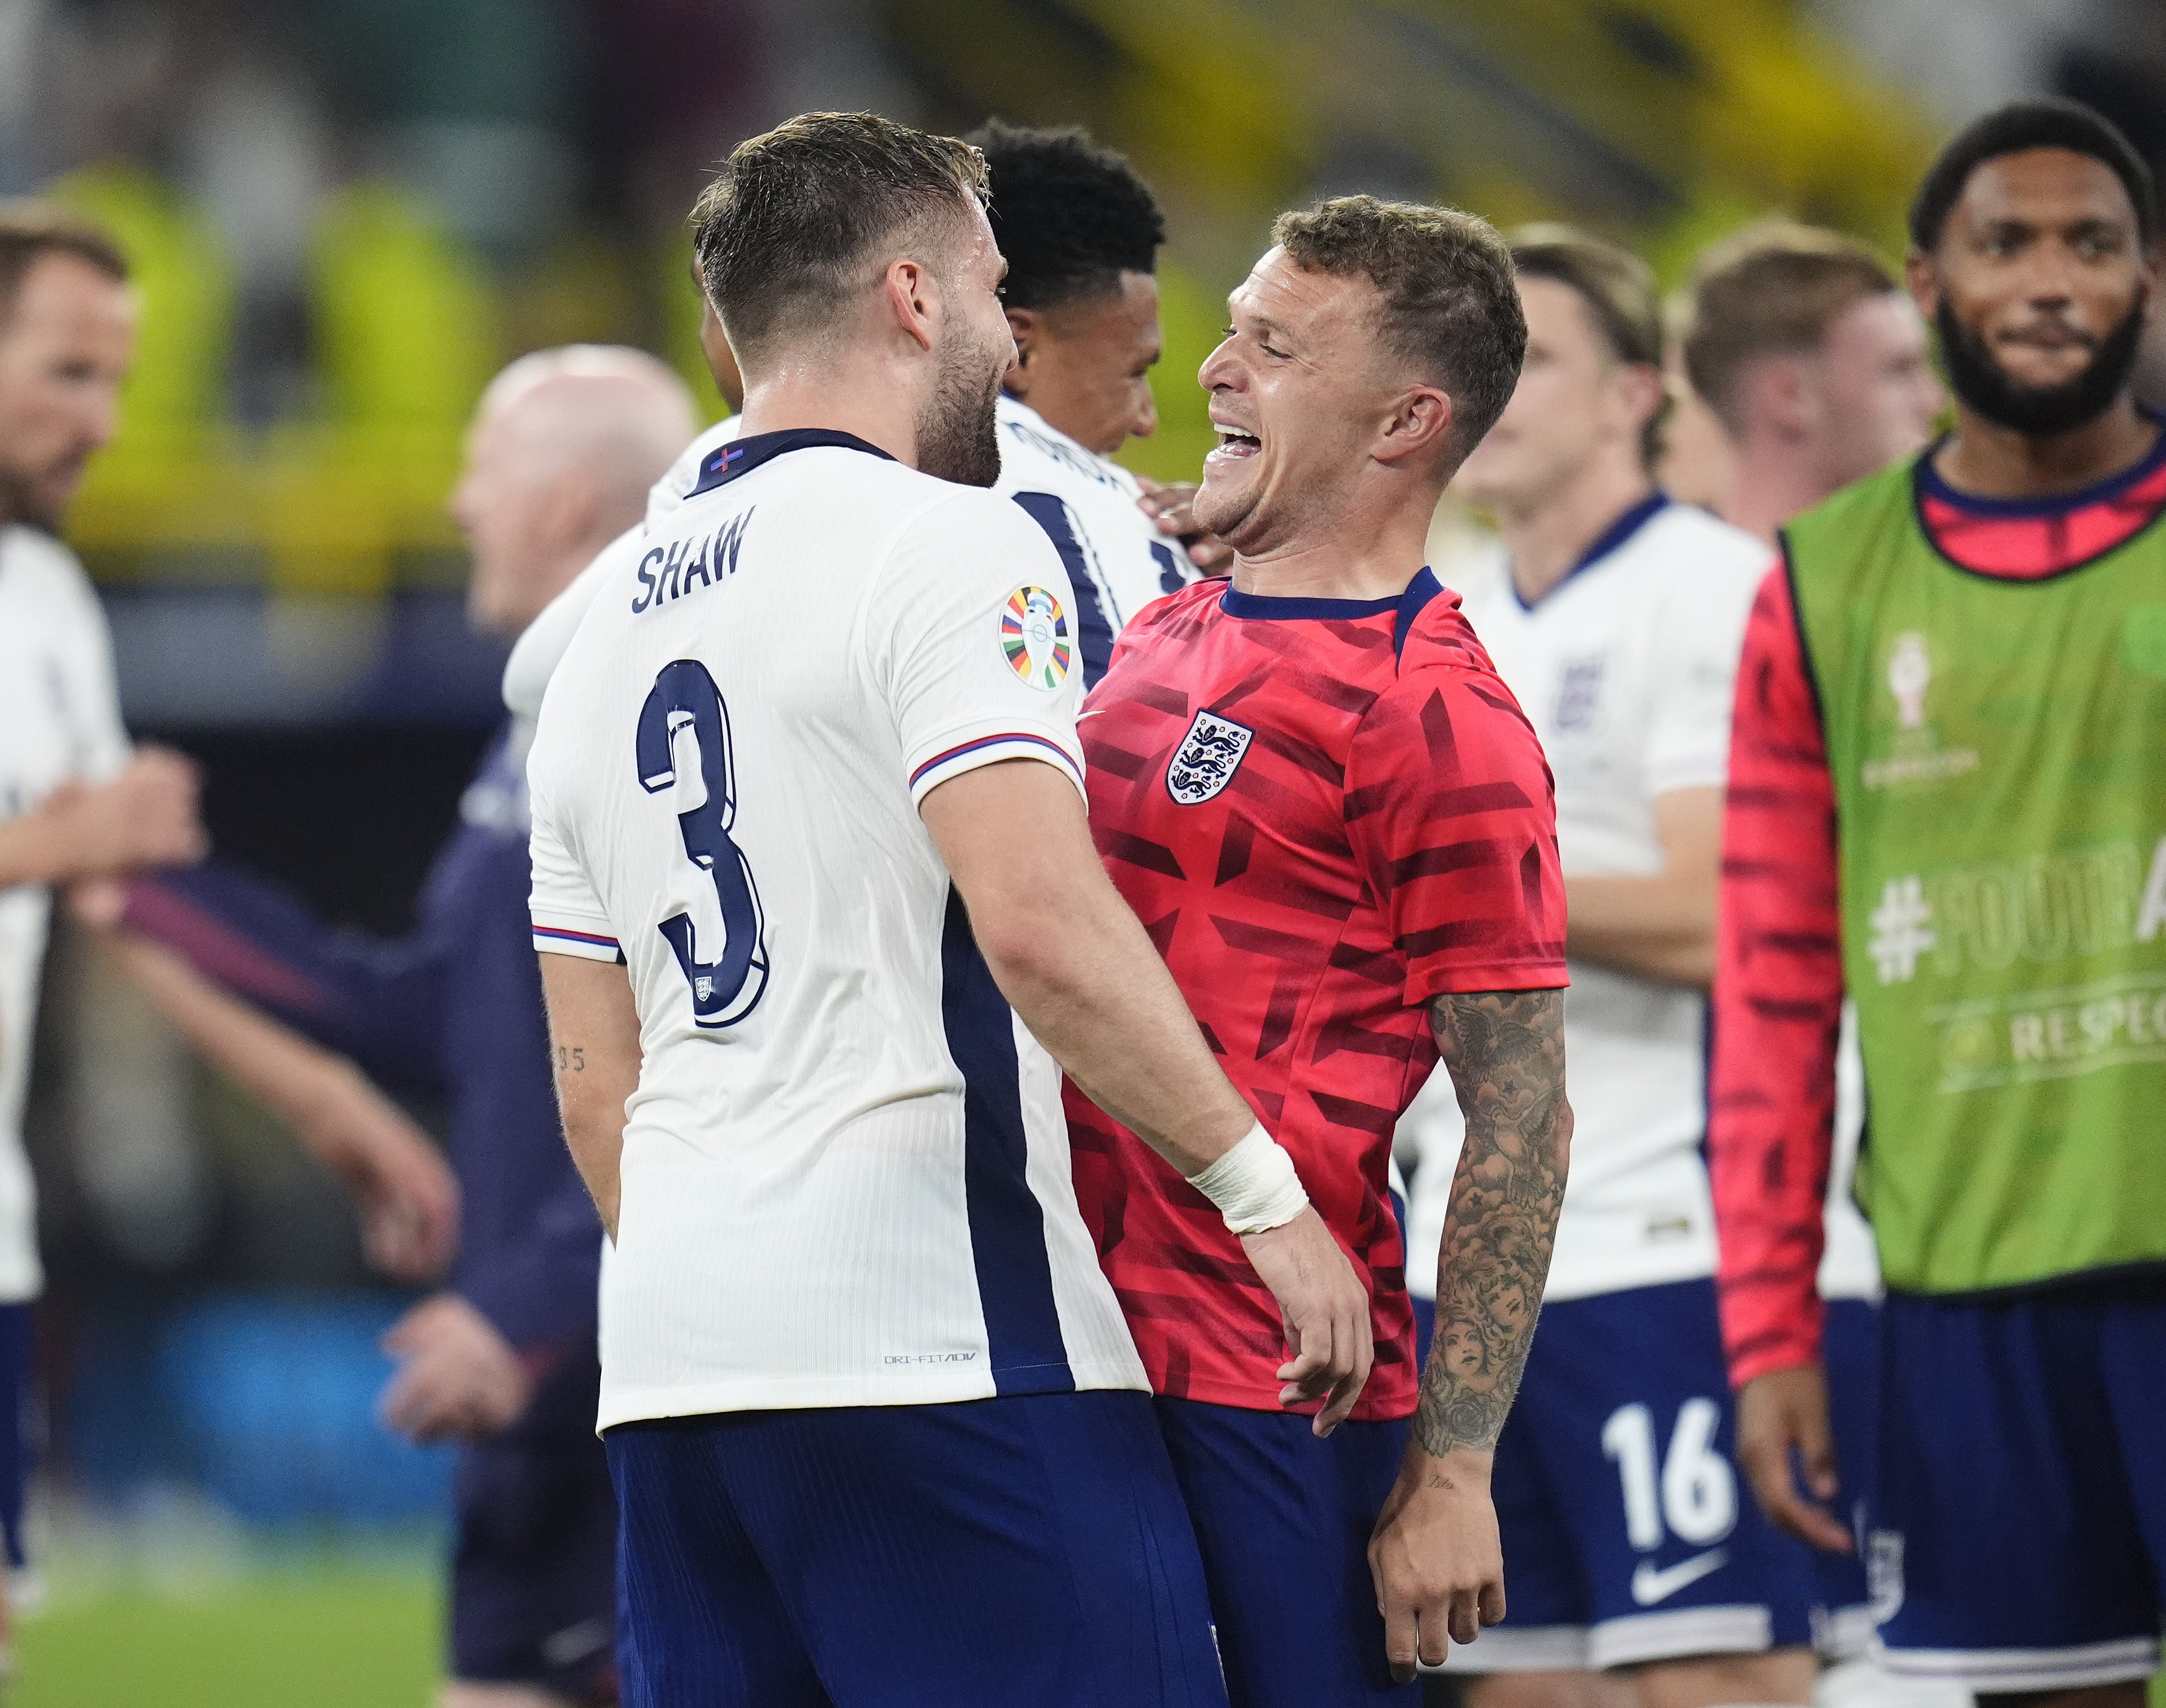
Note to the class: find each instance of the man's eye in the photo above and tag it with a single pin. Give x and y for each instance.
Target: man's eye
(1225, 332)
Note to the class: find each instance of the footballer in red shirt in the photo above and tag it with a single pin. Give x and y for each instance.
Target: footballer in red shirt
(1337, 826)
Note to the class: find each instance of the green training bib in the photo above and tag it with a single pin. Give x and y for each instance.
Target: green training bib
(1999, 751)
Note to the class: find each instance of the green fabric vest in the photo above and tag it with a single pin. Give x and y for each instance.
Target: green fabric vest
(1999, 751)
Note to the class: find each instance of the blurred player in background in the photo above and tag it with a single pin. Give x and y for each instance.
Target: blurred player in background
(1616, 615)
(1814, 362)
(1337, 828)
(1080, 233)
(1948, 796)
(75, 800)
(559, 459)
(807, 784)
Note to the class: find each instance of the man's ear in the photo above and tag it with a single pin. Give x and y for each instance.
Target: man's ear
(1924, 280)
(1420, 424)
(1027, 326)
(912, 296)
(1780, 393)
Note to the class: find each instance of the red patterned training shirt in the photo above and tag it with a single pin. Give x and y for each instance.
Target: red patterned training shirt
(1326, 812)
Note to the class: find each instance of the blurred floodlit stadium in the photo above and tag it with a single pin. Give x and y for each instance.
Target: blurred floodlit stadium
(344, 216)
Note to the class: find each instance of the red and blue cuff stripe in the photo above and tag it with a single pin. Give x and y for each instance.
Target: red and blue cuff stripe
(562, 941)
(1007, 739)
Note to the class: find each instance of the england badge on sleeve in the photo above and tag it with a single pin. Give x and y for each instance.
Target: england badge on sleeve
(1208, 756)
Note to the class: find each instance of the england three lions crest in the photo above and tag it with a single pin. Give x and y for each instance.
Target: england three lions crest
(1208, 756)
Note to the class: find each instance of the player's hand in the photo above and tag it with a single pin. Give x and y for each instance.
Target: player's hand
(458, 1376)
(144, 816)
(408, 1198)
(1170, 505)
(1779, 1415)
(1436, 1557)
(1325, 1310)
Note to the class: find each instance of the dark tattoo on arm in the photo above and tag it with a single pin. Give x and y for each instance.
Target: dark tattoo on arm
(1505, 1053)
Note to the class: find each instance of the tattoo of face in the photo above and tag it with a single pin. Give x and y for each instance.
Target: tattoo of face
(1505, 1053)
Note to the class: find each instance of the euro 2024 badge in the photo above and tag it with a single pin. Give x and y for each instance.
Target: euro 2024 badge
(1915, 755)
(1034, 638)
(1208, 756)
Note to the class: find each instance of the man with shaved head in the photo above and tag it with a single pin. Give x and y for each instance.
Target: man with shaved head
(562, 452)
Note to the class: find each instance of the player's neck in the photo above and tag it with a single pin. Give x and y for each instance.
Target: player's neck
(861, 398)
(1544, 542)
(1350, 562)
(1776, 481)
(1989, 460)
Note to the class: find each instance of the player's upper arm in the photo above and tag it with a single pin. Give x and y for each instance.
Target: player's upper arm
(1702, 638)
(1449, 808)
(568, 913)
(970, 628)
(91, 686)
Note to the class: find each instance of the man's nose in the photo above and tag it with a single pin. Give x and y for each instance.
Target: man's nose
(1145, 420)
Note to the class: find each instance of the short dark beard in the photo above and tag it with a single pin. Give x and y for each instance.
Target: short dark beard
(2038, 412)
(958, 432)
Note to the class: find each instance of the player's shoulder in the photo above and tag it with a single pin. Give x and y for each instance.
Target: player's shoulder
(1035, 455)
(39, 575)
(928, 518)
(679, 479)
(1435, 636)
(41, 560)
(1683, 542)
(1440, 655)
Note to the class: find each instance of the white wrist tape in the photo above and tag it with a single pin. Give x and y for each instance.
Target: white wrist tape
(1254, 1185)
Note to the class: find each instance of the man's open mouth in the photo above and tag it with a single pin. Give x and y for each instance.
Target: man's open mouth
(1233, 442)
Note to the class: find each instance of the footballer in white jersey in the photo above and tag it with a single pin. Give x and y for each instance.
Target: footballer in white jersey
(726, 781)
(60, 721)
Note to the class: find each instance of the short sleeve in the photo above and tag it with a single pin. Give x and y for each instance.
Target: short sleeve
(1452, 817)
(567, 914)
(92, 690)
(1689, 725)
(973, 635)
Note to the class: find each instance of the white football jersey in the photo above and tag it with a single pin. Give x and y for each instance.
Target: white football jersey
(59, 718)
(845, 1169)
(1117, 562)
(1626, 670)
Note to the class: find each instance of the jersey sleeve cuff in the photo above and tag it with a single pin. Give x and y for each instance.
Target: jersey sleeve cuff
(1424, 987)
(589, 940)
(1697, 771)
(966, 750)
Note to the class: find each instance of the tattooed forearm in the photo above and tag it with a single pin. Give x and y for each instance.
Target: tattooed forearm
(1505, 1053)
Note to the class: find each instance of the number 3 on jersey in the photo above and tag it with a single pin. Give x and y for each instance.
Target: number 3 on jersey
(684, 711)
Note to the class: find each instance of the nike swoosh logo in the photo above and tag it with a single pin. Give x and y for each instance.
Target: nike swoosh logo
(1650, 1583)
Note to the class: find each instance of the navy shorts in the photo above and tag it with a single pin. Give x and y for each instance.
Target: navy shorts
(1284, 1521)
(533, 1589)
(2018, 1521)
(1028, 1549)
(18, 1454)
(1850, 1353)
(1629, 1533)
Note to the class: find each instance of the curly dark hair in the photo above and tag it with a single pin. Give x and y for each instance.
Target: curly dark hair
(1070, 217)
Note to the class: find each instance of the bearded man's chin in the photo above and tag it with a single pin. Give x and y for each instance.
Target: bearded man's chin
(2039, 412)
